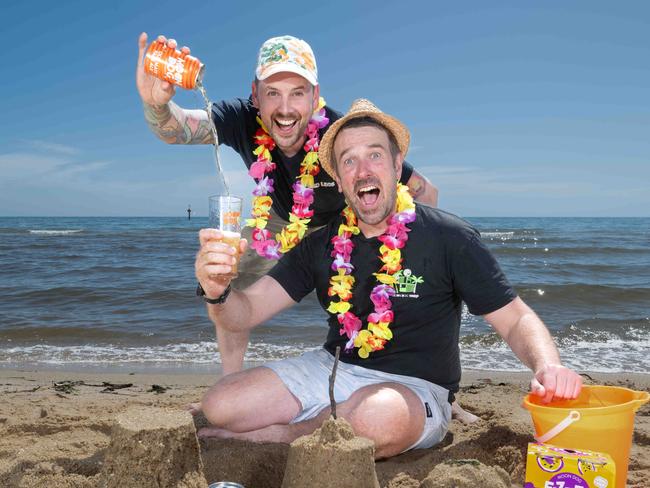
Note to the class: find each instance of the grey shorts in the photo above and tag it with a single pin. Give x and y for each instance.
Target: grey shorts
(307, 377)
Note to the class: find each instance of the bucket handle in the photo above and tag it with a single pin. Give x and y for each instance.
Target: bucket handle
(573, 416)
(642, 397)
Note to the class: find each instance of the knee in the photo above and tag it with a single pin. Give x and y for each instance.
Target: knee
(219, 406)
(392, 416)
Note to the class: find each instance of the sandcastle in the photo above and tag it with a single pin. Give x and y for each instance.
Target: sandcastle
(152, 447)
(331, 456)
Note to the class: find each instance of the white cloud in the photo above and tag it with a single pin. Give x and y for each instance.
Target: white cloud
(535, 180)
(35, 169)
(36, 184)
(75, 169)
(445, 170)
(15, 166)
(537, 190)
(33, 183)
(51, 147)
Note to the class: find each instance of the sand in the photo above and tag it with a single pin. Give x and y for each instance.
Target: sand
(55, 430)
(470, 473)
(153, 448)
(331, 452)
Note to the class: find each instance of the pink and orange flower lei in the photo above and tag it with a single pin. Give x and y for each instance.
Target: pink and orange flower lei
(303, 193)
(393, 240)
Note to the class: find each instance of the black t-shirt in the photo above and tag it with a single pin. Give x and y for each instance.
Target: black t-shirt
(445, 263)
(236, 126)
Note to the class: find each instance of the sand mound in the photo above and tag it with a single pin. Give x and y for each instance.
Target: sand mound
(331, 456)
(466, 474)
(152, 447)
(403, 480)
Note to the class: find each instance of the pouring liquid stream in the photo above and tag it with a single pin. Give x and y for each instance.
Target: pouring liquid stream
(208, 109)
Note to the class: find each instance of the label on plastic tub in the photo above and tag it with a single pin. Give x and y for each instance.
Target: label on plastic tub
(550, 466)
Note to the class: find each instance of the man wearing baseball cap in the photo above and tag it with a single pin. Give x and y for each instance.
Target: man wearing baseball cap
(393, 276)
(276, 131)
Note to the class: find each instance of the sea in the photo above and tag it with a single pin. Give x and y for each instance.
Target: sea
(119, 294)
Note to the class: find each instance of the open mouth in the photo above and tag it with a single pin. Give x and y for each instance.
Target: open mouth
(368, 194)
(285, 125)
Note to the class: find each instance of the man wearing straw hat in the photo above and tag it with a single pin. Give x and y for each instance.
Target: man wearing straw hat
(276, 132)
(392, 275)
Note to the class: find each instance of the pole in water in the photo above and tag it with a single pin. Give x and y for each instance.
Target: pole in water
(189, 212)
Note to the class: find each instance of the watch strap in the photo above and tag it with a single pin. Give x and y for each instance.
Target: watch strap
(213, 301)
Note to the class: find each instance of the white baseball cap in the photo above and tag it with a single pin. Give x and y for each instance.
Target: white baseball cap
(286, 54)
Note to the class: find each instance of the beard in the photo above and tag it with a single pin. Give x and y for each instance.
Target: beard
(288, 140)
(382, 207)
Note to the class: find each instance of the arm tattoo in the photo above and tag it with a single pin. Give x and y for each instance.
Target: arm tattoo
(176, 125)
(422, 190)
(416, 184)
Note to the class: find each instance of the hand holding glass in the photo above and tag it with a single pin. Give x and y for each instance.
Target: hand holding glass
(225, 211)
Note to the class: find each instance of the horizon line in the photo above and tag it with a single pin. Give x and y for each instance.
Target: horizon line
(184, 217)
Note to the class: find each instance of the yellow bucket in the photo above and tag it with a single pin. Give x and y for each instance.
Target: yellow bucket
(600, 419)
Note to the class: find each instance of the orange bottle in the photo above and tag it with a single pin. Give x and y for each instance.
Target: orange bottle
(172, 65)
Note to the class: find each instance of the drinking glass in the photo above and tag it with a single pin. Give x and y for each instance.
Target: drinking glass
(224, 215)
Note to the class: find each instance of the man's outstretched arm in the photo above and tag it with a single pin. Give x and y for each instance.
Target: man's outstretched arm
(242, 310)
(176, 125)
(531, 341)
(171, 123)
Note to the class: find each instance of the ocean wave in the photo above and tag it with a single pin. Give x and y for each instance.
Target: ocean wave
(498, 235)
(127, 292)
(185, 353)
(114, 269)
(55, 232)
(599, 331)
(583, 349)
(597, 350)
(596, 295)
(562, 250)
(62, 294)
(615, 356)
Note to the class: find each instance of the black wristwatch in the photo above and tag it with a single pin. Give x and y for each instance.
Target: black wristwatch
(200, 292)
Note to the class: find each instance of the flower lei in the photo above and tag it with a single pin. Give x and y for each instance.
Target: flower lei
(303, 193)
(378, 332)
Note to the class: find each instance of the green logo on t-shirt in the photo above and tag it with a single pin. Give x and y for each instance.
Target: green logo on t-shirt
(407, 282)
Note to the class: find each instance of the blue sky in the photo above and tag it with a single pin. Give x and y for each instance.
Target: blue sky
(516, 108)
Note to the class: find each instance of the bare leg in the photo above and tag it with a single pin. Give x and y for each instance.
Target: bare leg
(273, 433)
(232, 347)
(389, 414)
(249, 400)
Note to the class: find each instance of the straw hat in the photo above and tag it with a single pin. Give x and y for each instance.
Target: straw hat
(361, 108)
